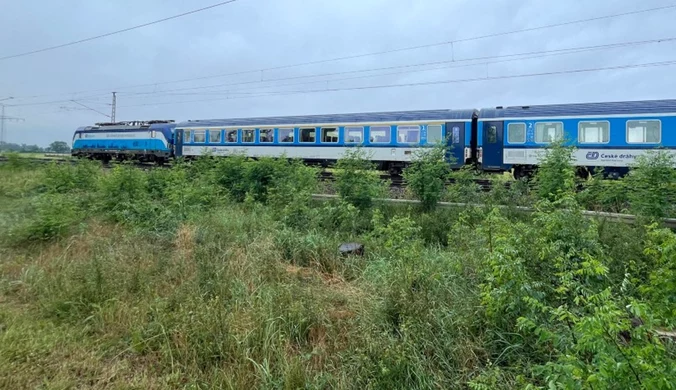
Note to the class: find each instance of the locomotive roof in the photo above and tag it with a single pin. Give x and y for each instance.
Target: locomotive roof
(582, 109)
(372, 117)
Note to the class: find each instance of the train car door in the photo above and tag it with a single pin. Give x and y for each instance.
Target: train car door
(492, 146)
(178, 142)
(455, 141)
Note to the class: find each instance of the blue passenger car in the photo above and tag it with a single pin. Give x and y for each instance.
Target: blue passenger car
(606, 135)
(143, 141)
(388, 137)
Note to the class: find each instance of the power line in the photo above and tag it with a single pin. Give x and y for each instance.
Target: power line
(378, 52)
(89, 108)
(454, 64)
(115, 32)
(437, 82)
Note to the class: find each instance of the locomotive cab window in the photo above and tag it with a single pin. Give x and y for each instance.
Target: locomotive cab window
(200, 136)
(408, 134)
(516, 133)
(308, 134)
(231, 136)
(354, 135)
(644, 132)
(548, 132)
(380, 134)
(329, 135)
(266, 135)
(186, 136)
(433, 134)
(594, 132)
(248, 135)
(214, 136)
(152, 134)
(286, 135)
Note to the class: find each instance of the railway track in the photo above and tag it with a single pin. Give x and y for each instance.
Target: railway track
(398, 181)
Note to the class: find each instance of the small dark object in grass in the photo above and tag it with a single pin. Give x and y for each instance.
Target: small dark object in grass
(351, 248)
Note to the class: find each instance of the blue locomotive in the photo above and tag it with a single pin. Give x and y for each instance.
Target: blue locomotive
(608, 136)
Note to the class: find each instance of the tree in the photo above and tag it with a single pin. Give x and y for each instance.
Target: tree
(59, 147)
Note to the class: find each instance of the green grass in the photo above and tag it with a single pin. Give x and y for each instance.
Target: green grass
(171, 279)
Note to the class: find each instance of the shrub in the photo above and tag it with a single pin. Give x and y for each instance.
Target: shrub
(52, 217)
(651, 185)
(427, 175)
(555, 175)
(357, 182)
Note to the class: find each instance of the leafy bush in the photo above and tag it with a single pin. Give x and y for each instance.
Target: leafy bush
(651, 185)
(555, 175)
(427, 175)
(52, 216)
(60, 178)
(357, 181)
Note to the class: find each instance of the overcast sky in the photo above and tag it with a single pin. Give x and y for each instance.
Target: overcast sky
(254, 34)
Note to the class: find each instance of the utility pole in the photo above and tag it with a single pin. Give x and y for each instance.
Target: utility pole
(4, 118)
(112, 114)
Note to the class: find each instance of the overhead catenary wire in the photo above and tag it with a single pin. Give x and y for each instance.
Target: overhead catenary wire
(425, 83)
(449, 64)
(49, 48)
(342, 58)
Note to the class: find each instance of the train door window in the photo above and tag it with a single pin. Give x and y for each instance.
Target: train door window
(266, 135)
(593, 132)
(231, 136)
(408, 134)
(286, 135)
(548, 132)
(308, 134)
(152, 134)
(644, 132)
(248, 135)
(433, 134)
(516, 133)
(455, 135)
(329, 135)
(492, 135)
(200, 136)
(214, 136)
(381, 134)
(354, 135)
(186, 136)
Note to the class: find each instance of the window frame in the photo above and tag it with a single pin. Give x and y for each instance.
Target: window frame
(389, 129)
(346, 134)
(525, 131)
(188, 139)
(194, 134)
(293, 133)
(260, 132)
(441, 134)
(300, 135)
(253, 141)
(563, 132)
(220, 136)
(321, 135)
(579, 132)
(399, 128)
(659, 121)
(225, 138)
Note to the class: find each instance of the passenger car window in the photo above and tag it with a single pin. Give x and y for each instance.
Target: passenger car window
(408, 134)
(329, 135)
(593, 132)
(644, 132)
(186, 136)
(200, 136)
(492, 135)
(266, 135)
(215, 136)
(381, 134)
(286, 135)
(248, 135)
(354, 135)
(231, 136)
(308, 134)
(547, 132)
(516, 133)
(433, 134)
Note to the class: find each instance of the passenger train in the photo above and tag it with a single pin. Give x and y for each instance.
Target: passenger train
(605, 135)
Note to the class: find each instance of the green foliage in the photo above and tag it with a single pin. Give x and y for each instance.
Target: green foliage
(427, 175)
(52, 216)
(555, 176)
(356, 180)
(604, 195)
(651, 185)
(59, 147)
(661, 287)
(60, 178)
(464, 188)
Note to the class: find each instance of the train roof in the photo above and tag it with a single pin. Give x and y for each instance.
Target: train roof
(581, 109)
(130, 125)
(372, 117)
